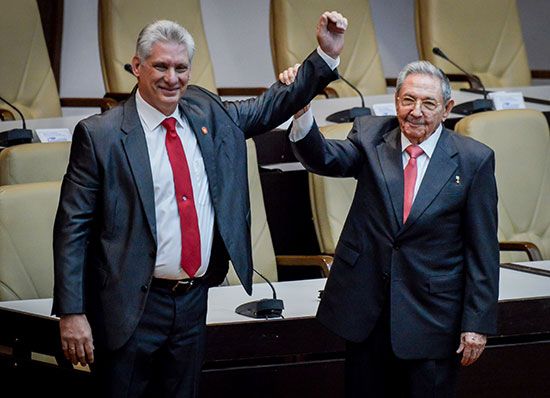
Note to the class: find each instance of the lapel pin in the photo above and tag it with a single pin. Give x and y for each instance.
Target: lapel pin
(457, 180)
(204, 130)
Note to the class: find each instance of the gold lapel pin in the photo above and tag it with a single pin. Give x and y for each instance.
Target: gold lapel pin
(204, 130)
(457, 180)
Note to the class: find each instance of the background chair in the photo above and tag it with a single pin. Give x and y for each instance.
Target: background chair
(292, 39)
(26, 77)
(38, 162)
(120, 22)
(521, 141)
(263, 254)
(483, 37)
(27, 213)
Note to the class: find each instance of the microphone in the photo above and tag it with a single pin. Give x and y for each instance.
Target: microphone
(128, 68)
(264, 308)
(348, 115)
(475, 106)
(15, 136)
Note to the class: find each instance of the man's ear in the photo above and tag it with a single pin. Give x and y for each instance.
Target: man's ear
(448, 107)
(136, 62)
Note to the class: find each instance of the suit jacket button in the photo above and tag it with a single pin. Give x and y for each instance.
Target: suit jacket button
(144, 288)
(395, 247)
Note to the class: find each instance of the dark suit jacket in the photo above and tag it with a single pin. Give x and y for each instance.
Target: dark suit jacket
(105, 229)
(440, 269)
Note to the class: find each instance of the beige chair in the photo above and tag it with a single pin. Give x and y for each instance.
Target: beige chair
(483, 37)
(331, 198)
(27, 213)
(26, 77)
(263, 254)
(292, 32)
(38, 162)
(521, 141)
(120, 22)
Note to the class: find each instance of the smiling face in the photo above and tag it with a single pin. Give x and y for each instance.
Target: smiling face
(163, 76)
(420, 106)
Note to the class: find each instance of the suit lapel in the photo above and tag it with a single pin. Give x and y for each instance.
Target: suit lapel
(203, 132)
(135, 146)
(442, 165)
(389, 154)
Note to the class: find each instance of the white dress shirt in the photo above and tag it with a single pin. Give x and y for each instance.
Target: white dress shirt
(166, 211)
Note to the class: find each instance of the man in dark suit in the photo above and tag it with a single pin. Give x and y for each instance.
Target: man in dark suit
(415, 274)
(153, 205)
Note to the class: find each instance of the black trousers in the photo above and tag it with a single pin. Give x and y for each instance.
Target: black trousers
(163, 358)
(373, 370)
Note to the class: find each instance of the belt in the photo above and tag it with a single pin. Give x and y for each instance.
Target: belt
(176, 287)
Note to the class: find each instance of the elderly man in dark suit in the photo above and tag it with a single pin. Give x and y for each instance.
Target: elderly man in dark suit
(415, 274)
(153, 204)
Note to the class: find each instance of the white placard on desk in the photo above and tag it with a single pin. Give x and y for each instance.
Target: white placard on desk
(386, 109)
(507, 100)
(54, 135)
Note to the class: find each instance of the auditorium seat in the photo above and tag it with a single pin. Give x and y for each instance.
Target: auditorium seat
(27, 213)
(521, 141)
(483, 37)
(292, 39)
(26, 77)
(263, 253)
(120, 22)
(37, 162)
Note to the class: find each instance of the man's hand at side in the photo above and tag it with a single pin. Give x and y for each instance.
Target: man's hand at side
(76, 339)
(471, 345)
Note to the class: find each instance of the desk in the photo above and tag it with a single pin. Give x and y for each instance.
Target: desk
(296, 356)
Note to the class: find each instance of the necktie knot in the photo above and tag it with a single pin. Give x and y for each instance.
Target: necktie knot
(169, 124)
(414, 151)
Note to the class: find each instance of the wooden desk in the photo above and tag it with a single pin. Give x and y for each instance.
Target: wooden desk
(296, 356)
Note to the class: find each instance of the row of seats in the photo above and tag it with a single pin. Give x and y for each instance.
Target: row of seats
(485, 37)
(27, 211)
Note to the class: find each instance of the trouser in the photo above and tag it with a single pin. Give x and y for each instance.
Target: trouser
(163, 358)
(373, 370)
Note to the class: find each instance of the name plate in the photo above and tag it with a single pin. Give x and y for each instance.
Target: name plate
(54, 135)
(507, 100)
(387, 109)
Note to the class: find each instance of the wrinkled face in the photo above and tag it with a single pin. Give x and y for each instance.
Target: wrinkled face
(420, 107)
(163, 76)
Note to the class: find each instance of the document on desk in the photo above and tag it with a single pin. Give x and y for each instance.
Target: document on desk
(54, 135)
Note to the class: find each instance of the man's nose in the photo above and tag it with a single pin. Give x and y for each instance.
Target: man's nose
(417, 109)
(170, 76)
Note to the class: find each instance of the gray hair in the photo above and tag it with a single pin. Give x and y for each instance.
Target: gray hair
(425, 68)
(166, 32)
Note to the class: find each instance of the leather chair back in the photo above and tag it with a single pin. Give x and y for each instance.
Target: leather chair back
(120, 22)
(26, 76)
(37, 162)
(292, 32)
(483, 37)
(331, 198)
(521, 141)
(263, 253)
(27, 213)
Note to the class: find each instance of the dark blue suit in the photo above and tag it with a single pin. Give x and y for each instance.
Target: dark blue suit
(105, 229)
(437, 274)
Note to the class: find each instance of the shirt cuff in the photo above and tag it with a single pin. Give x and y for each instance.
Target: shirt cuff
(331, 62)
(301, 126)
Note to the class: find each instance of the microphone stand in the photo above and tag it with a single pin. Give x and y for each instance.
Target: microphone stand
(264, 308)
(348, 115)
(475, 106)
(15, 136)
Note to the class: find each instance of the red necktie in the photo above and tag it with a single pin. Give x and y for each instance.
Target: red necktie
(410, 172)
(189, 224)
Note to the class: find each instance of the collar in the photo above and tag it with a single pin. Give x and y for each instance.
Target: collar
(428, 146)
(151, 117)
